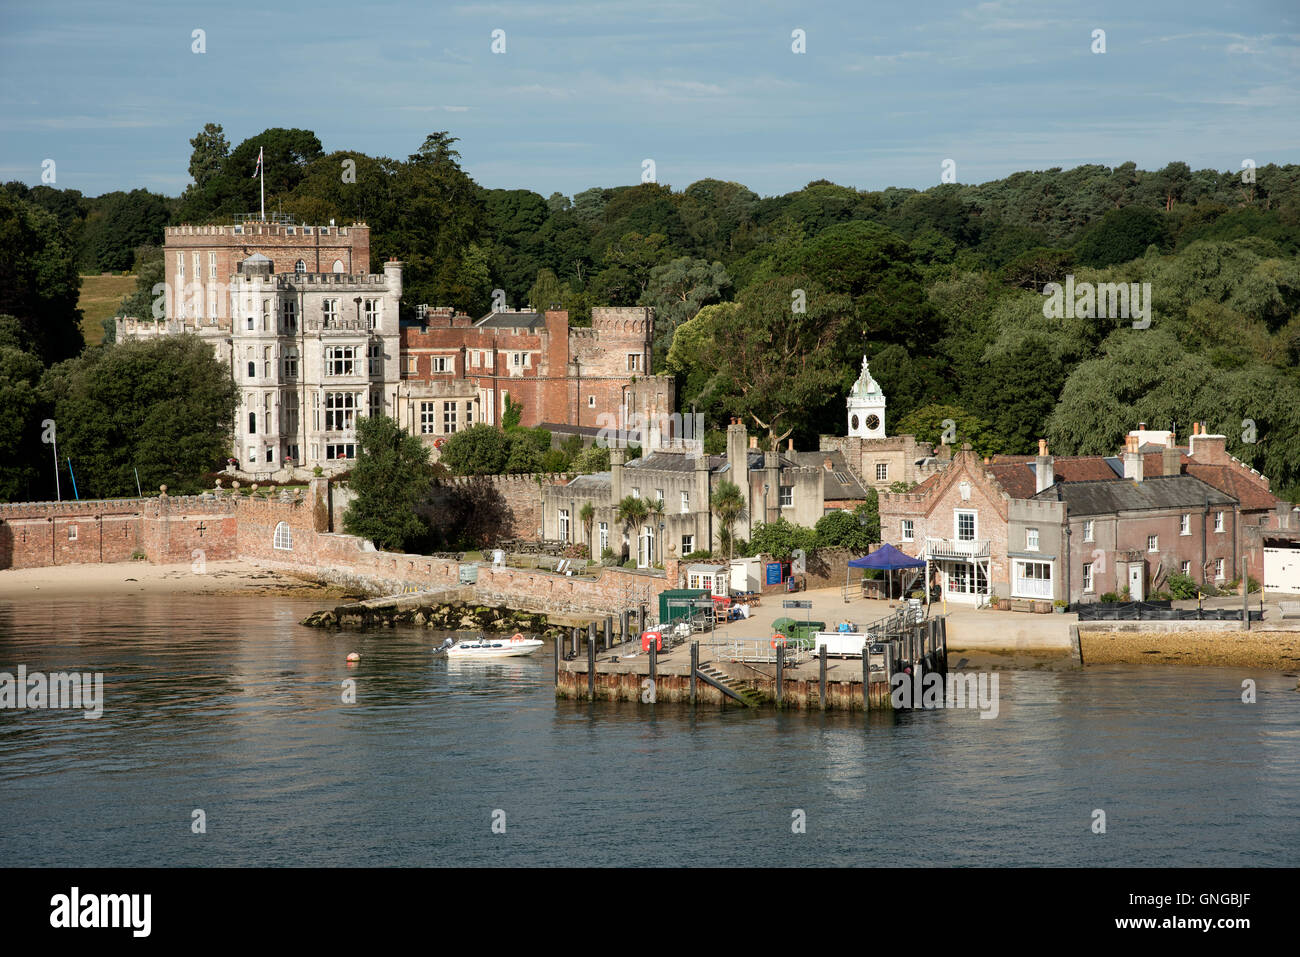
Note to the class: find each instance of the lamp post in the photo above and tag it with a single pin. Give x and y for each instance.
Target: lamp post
(661, 542)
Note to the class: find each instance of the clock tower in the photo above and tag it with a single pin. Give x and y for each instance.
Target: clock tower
(866, 407)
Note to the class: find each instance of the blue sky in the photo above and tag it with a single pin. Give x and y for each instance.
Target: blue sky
(586, 90)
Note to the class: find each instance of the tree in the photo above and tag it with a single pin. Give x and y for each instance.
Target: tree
(479, 450)
(632, 514)
(164, 407)
(774, 363)
(586, 515)
(210, 151)
(779, 539)
(841, 529)
(729, 507)
(1121, 236)
(26, 473)
(39, 283)
(514, 411)
(391, 477)
(677, 290)
(928, 425)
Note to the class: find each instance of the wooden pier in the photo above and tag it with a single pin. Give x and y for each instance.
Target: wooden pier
(604, 662)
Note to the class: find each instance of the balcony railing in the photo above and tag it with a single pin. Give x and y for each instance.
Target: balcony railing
(955, 550)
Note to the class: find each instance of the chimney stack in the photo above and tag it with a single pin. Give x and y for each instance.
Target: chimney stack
(737, 456)
(790, 446)
(1044, 468)
(1132, 460)
(1171, 461)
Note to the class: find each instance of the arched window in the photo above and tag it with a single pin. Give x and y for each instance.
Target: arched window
(252, 423)
(252, 370)
(283, 537)
(338, 265)
(300, 267)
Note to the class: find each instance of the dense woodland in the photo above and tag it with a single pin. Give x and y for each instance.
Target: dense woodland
(765, 305)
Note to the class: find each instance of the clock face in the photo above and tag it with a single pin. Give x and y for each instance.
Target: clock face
(873, 423)
(854, 421)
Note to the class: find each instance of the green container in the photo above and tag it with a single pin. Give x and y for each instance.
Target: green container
(668, 614)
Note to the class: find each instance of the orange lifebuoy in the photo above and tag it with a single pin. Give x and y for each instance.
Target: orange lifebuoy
(778, 639)
(517, 637)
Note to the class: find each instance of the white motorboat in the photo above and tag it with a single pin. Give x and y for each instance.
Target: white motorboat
(515, 646)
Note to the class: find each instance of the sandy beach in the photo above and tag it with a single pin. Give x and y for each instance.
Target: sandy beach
(1273, 650)
(217, 578)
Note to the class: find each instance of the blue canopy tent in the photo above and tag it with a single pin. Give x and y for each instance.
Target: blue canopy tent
(885, 558)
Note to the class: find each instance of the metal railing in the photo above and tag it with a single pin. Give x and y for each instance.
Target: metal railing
(757, 650)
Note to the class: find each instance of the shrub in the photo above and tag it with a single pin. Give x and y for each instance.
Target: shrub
(1182, 586)
(1109, 596)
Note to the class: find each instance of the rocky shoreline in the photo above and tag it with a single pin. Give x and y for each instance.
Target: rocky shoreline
(448, 616)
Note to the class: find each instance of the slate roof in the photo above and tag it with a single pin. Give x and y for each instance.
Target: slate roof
(512, 320)
(674, 462)
(839, 485)
(1110, 496)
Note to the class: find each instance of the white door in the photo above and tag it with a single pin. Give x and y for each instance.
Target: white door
(1135, 583)
(1282, 570)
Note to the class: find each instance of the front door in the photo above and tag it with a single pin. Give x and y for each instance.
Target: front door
(1135, 582)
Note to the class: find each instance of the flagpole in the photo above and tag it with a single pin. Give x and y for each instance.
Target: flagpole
(261, 168)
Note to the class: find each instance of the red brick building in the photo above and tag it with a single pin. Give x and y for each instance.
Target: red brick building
(584, 377)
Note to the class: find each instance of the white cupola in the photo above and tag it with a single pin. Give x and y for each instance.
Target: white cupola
(866, 406)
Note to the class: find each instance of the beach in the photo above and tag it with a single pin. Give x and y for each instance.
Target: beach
(1273, 650)
(216, 578)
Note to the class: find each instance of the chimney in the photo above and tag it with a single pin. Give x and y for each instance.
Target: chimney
(1171, 461)
(1132, 460)
(1208, 449)
(616, 457)
(738, 456)
(828, 465)
(753, 441)
(1044, 468)
(790, 446)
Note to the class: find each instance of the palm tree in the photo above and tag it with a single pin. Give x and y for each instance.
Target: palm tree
(586, 514)
(632, 512)
(657, 510)
(729, 507)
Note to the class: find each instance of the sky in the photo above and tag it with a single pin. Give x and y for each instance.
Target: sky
(585, 92)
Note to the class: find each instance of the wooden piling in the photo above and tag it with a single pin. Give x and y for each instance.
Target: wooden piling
(695, 664)
(780, 674)
(559, 648)
(609, 628)
(821, 681)
(866, 677)
(622, 626)
(654, 668)
(591, 665)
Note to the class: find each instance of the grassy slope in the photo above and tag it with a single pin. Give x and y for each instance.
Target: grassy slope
(100, 297)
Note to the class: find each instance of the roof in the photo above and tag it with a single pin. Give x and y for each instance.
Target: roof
(512, 320)
(673, 462)
(257, 258)
(840, 484)
(1231, 479)
(1110, 496)
(592, 480)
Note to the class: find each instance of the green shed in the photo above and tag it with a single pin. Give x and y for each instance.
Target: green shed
(679, 609)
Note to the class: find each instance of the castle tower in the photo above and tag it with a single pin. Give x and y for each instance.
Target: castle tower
(866, 407)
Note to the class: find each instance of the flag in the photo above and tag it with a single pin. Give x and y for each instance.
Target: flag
(259, 163)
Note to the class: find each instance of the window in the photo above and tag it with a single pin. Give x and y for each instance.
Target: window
(469, 414)
(250, 324)
(372, 313)
(449, 420)
(252, 369)
(686, 502)
(300, 267)
(289, 416)
(1087, 530)
(604, 537)
(291, 453)
(212, 265)
(634, 362)
(787, 496)
(340, 360)
(1185, 524)
(882, 471)
(330, 311)
(375, 357)
(636, 492)
(270, 455)
(338, 265)
(1187, 568)
(1218, 521)
(659, 495)
(252, 453)
(340, 410)
(72, 533)
(252, 423)
(1031, 539)
(345, 450)
(519, 359)
(1153, 543)
(688, 544)
(428, 418)
(1087, 576)
(1032, 579)
(908, 530)
(266, 362)
(439, 363)
(965, 526)
(198, 273)
(1218, 569)
(291, 362)
(412, 365)
(291, 316)
(591, 401)
(564, 524)
(289, 230)
(180, 265)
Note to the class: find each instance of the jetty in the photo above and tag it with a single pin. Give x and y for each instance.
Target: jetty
(695, 664)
